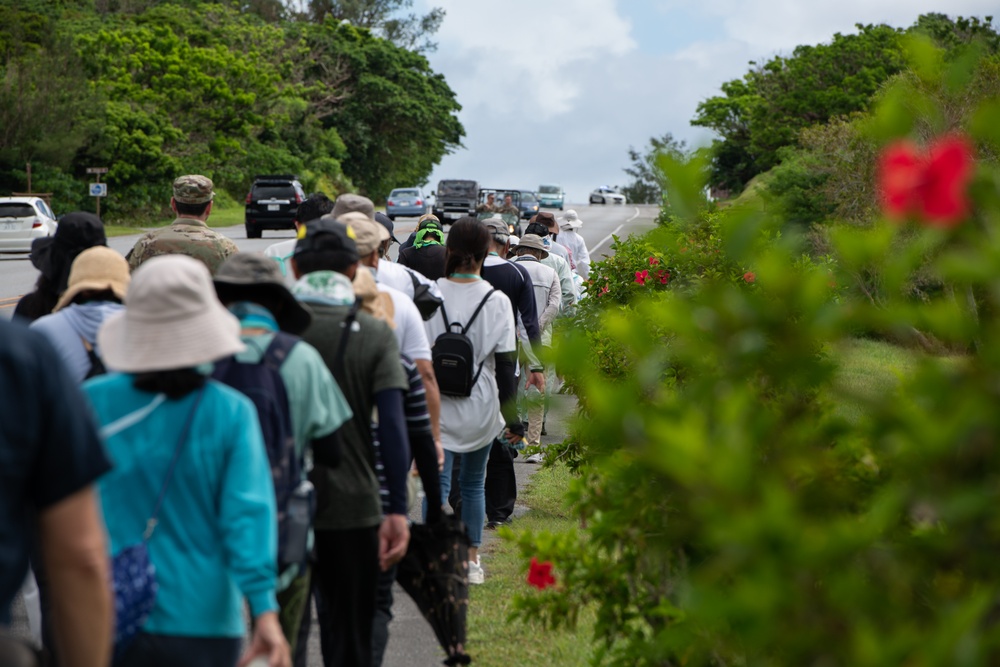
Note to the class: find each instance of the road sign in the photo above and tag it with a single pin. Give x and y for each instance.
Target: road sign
(97, 170)
(98, 189)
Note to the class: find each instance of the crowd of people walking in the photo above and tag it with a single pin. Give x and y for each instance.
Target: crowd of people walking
(217, 431)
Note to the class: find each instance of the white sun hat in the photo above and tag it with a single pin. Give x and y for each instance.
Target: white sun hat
(172, 320)
(570, 220)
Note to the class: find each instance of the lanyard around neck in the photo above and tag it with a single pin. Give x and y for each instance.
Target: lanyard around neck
(469, 276)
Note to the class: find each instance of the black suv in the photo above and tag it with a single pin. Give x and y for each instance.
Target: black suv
(272, 203)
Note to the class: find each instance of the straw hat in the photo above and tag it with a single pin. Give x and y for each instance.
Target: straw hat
(99, 268)
(172, 319)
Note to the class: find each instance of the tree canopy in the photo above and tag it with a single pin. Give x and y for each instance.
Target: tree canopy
(767, 110)
(153, 90)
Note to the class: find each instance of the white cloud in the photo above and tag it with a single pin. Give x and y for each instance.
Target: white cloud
(557, 90)
(506, 56)
(771, 26)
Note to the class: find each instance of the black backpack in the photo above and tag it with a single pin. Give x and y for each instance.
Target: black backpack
(262, 384)
(423, 298)
(454, 358)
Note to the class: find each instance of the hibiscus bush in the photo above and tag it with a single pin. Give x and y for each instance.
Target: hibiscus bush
(730, 514)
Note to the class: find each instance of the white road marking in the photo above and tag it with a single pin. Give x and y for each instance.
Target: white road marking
(617, 229)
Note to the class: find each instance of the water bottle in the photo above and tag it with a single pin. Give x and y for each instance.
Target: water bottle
(300, 512)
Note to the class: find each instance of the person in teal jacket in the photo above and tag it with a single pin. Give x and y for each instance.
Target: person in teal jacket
(215, 540)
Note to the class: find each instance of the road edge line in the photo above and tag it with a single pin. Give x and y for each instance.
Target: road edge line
(617, 229)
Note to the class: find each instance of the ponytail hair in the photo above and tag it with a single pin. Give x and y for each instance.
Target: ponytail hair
(468, 244)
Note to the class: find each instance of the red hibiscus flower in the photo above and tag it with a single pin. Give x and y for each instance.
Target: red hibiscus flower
(664, 276)
(604, 290)
(540, 574)
(640, 276)
(653, 261)
(930, 185)
(750, 276)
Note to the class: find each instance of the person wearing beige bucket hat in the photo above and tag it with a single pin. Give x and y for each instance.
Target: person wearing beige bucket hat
(98, 280)
(188, 452)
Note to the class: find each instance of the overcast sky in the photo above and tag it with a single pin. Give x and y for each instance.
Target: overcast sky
(555, 91)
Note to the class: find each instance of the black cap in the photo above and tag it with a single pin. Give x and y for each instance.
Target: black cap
(326, 234)
(537, 228)
(384, 220)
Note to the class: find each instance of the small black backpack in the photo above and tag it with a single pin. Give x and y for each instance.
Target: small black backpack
(454, 358)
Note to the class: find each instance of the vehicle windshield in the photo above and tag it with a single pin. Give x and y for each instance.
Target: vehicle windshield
(274, 191)
(16, 211)
(527, 198)
(457, 189)
(549, 189)
(405, 193)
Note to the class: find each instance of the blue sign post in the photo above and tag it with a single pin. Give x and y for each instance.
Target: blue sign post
(98, 189)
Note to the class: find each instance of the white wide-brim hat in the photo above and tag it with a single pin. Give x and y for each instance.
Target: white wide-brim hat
(172, 320)
(570, 220)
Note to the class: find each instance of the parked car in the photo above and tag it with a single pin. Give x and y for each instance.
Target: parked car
(551, 195)
(606, 195)
(528, 205)
(405, 203)
(22, 220)
(455, 199)
(272, 203)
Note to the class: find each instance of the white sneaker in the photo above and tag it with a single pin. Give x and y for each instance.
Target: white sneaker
(476, 573)
(535, 458)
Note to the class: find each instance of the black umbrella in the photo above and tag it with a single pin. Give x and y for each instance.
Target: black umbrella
(435, 573)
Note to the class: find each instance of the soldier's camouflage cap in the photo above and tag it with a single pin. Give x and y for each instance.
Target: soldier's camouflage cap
(193, 189)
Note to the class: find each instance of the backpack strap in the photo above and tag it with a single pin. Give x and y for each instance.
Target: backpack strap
(475, 378)
(475, 314)
(279, 349)
(352, 315)
(444, 316)
(96, 363)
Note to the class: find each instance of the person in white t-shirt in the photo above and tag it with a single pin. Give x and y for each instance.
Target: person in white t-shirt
(470, 425)
(409, 329)
(314, 207)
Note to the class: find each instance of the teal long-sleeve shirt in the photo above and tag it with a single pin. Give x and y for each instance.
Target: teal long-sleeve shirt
(216, 539)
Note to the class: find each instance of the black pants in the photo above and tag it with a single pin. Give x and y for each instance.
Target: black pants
(383, 615)
(149, 650)
(501, 483)
(347, 578)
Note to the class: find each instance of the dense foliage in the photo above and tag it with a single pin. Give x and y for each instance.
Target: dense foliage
(765, 111)
(729, 514)
(175, 87)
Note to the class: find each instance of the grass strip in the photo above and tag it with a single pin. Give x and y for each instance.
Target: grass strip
(493, 639)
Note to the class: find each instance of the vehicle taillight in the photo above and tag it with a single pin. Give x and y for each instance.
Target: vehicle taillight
(389, 203)
(36, 225)
(298, 198)
(420, 202)
(248, 197)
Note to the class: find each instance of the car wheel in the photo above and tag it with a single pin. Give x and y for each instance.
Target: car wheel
(253, 231)
(391, 217)
(603, 201)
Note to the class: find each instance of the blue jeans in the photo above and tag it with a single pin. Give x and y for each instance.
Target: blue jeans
(472, 485)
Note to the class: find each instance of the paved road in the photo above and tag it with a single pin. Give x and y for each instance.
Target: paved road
(411, 641)
(17, 275)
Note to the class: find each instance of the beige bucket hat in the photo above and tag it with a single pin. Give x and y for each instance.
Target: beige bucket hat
(571, 220)
(99, 268)
(172, 319)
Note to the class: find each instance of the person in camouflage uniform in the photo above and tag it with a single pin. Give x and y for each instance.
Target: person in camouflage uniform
(508, 207)
(188, 234)
(489, 206)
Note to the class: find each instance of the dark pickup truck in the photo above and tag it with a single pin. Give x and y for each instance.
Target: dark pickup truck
(455, 199)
